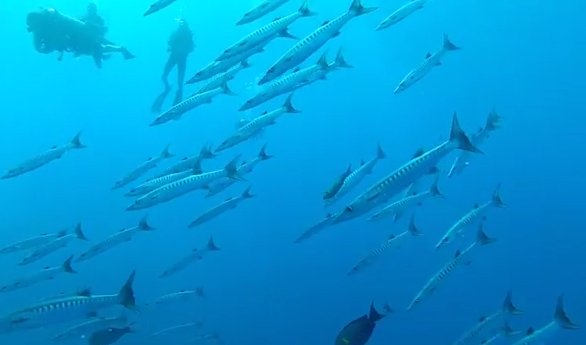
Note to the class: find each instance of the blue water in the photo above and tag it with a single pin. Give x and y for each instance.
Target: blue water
(523, 57)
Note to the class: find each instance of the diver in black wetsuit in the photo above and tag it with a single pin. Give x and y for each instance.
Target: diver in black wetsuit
(54, 31)
(179, 46)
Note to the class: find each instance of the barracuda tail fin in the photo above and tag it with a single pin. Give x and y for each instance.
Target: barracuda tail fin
(458, 136)
(288, 106)
(412, 228)
(496, 198)
(76, 142)
(358, 9)
(305, 11)
(434, 190)
(66, 267)
(166, 153)
(481, 237)
(340, 61)
(560, 316)
(449, 45)
(231, 169)
(493, 121)
(143, 225)
(262, 155)
(79, 233)
(211, 246)
(509, 307)
(126, 294)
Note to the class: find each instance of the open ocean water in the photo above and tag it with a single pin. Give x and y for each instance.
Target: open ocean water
(524, 59)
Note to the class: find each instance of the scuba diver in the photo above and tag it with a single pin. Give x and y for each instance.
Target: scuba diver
(54, 31)
(179, 46)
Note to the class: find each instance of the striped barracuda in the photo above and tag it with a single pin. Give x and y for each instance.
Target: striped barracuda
(394, 241)
(32, 242)
(357, 176)
(185, 326)
(253, 127)
(86, 328)
(222, 184)
(222, 208)
(493, 122)
(46, 273)
(74, 308)
(153, 184)
(407, 174)
(143, 168)
(485, 322)
(266, 32)
(316, 228)
(216, 81)
(53, 246)
(181, 187)
(195, 255)
(477, 214)
(261, 10)
(188, 163)
(180, 296)
(402, 13)
(431, 61)
(114, 240)
(545, 333)
(191, 103)
(404, 204)
(461, 257)
(46, 157)
(217, 67)
(311, 43)
(505, 331)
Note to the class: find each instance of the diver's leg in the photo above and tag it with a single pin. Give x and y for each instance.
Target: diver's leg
(158, 103)
(108, 48)
(181, 66)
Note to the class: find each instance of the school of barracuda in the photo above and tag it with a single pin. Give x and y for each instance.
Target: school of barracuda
(76, 314)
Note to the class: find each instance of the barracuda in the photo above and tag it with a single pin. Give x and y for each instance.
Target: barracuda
(178, 188)
(195, 255)
(143, 168)
(252, 128)
(461, 257)
(477, 214)
(312, 42)
(401, 13)
(407, 174)
(394, 241)
(72, 308)
(223, 207)
(266, 32)
(191, 103)
(46, 157)
(261, 10)
(402, 205)
(118, 238)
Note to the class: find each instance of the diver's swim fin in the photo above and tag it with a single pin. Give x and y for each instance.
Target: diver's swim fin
(158, 103)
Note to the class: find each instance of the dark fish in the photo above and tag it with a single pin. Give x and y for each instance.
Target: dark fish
(359, 331)
(108, 336)
(337, 184)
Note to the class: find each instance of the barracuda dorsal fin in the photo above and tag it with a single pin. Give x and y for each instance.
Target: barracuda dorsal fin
(530, 331)
(428, 56)
(482, 318)
(418, 153)
(476, 206)
(458, 253)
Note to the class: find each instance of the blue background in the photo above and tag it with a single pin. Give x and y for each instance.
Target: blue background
(523, 57)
